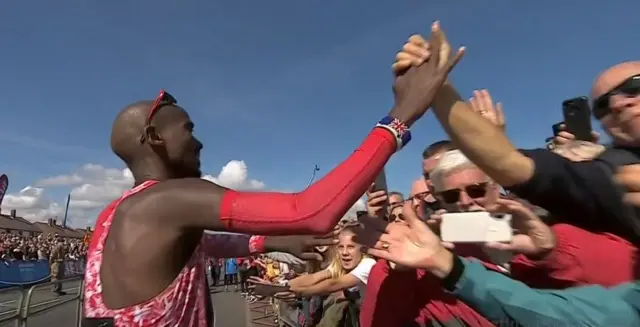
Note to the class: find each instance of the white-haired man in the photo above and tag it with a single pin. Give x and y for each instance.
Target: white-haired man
(459, 184)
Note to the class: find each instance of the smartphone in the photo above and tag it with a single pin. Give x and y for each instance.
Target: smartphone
(381, 182)
(577, 118)
(475, 227)
(556, 129)
(269, 289)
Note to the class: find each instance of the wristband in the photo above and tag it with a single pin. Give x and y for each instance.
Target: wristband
(256, 244)
(450, 281)
(397, 128)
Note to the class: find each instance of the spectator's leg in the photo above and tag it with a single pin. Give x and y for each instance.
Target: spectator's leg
(235, 280)
(55, 276)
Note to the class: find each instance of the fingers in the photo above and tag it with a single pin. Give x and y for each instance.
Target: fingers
(500, 114)
(452, 63)
(487, 101)
(311, 256)
(377, 197)
(323, 241)
(629, 177)
(595, 137)
(563, 138)
(448, 245)
(411, 217)
(411, 52)
(499, 246)
(435, 41)
(418, 40)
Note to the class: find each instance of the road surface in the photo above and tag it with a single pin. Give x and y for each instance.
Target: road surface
(230, 308)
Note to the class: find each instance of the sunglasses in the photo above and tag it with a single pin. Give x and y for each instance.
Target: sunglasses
(163, 99)
(393, 217)
(475, 191)
(630, 86)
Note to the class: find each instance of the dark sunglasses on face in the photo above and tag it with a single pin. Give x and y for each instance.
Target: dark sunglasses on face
(475, 191)
(630, 86)
(393, 217)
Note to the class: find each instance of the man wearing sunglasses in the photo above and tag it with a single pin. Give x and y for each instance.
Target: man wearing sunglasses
(582, 193)
(146, 261)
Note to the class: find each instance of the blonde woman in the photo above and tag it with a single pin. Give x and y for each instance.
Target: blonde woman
(349, 270)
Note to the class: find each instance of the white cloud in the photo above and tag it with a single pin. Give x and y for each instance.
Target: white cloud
(93, 186)
(235, 175)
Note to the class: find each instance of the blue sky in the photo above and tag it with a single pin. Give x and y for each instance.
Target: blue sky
(283, 85)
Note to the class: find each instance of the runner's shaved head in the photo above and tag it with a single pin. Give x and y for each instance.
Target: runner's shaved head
(127, 129)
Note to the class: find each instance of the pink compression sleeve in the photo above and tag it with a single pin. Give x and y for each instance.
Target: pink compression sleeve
(317, 209)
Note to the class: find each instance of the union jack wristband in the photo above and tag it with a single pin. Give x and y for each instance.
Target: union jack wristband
(397, 128)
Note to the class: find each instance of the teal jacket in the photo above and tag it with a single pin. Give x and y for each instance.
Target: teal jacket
(508, 302)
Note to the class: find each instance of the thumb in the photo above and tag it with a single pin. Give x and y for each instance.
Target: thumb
(500, 246)
(311, 256)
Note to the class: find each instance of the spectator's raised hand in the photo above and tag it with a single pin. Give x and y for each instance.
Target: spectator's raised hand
(629, 178)
(565, 137)
(416, 88)
(578, 150)
(376, 202)
(535, 238)
(482, 103)
(411, 245)
(416, 51)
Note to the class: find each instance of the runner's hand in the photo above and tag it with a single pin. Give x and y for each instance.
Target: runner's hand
(416, 88)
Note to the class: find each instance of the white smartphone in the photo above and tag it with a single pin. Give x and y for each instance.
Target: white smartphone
(475, 227)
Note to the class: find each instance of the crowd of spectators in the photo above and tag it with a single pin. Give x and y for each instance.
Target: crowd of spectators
(18, 247)
(572, 259)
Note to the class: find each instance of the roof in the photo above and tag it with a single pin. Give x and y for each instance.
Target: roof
(56, 229)
(17, 223)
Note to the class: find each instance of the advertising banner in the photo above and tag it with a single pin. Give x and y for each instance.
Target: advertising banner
(4, 185)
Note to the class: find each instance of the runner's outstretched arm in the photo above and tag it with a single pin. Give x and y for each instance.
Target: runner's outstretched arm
(316, 210)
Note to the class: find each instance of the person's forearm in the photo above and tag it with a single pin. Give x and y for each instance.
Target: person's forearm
(480, 140)
(232, 245)
(309, 279)
(317, 209)
(324, 287)
(505, 301)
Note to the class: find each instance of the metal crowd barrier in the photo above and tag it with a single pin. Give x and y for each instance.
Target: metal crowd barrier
(286, 314)
(25, 309)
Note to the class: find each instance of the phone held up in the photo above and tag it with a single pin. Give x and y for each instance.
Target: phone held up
(475, 227)
(577, 118)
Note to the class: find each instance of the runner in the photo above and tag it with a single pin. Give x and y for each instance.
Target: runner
(146, 261)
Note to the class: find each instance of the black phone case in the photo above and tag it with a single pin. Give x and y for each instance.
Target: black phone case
(381, 181)
(556, 128)
(577, 118)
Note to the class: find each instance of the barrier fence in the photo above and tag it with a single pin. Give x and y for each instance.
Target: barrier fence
(27, 306)
(20, 273)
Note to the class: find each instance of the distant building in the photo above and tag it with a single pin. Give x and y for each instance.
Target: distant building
(13, 224)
